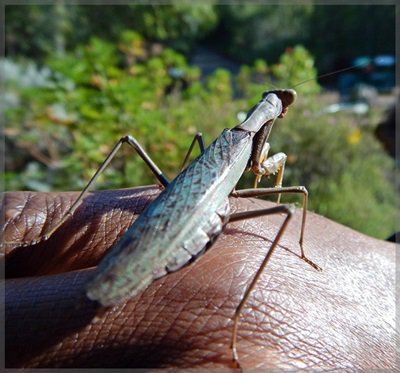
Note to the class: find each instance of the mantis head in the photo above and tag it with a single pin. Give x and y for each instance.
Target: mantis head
(272, 105)
(287, 97)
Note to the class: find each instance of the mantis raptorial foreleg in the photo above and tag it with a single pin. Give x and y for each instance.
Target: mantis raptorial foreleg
(130, 140)
(270, 166)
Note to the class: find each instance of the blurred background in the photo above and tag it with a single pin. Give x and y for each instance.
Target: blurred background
(79, 77)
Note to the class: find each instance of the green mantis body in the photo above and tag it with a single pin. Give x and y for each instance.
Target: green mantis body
(192, 210)
(186, 217)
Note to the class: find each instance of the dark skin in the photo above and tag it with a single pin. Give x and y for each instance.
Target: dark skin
(296, 317)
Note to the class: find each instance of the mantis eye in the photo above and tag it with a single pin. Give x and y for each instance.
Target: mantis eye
(287, 96)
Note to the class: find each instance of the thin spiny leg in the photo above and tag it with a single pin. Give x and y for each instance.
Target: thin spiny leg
(248, 215)
(135, 145)
(199, 139)
(290, 190)
(153, 167)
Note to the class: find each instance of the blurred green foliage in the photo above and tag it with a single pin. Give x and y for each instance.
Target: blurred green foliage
(335, 33)
(244, 31)
(36, 30)
(348, 175)
(64, 118)
(261, 29)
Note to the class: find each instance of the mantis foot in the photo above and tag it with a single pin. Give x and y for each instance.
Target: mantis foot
(312, 264)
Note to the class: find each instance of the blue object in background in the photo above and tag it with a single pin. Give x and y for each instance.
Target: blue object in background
(377, 72)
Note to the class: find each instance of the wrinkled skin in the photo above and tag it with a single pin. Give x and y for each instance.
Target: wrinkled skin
(340, 318)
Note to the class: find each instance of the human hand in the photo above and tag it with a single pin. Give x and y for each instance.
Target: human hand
(296, 317)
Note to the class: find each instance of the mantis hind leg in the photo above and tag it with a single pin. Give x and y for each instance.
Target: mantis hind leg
(282, 209)
(130, 140)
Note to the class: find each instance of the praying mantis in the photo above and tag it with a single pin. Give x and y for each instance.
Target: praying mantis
(193, 209)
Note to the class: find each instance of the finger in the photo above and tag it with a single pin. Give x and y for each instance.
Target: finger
(296, 316)
(80, 242)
